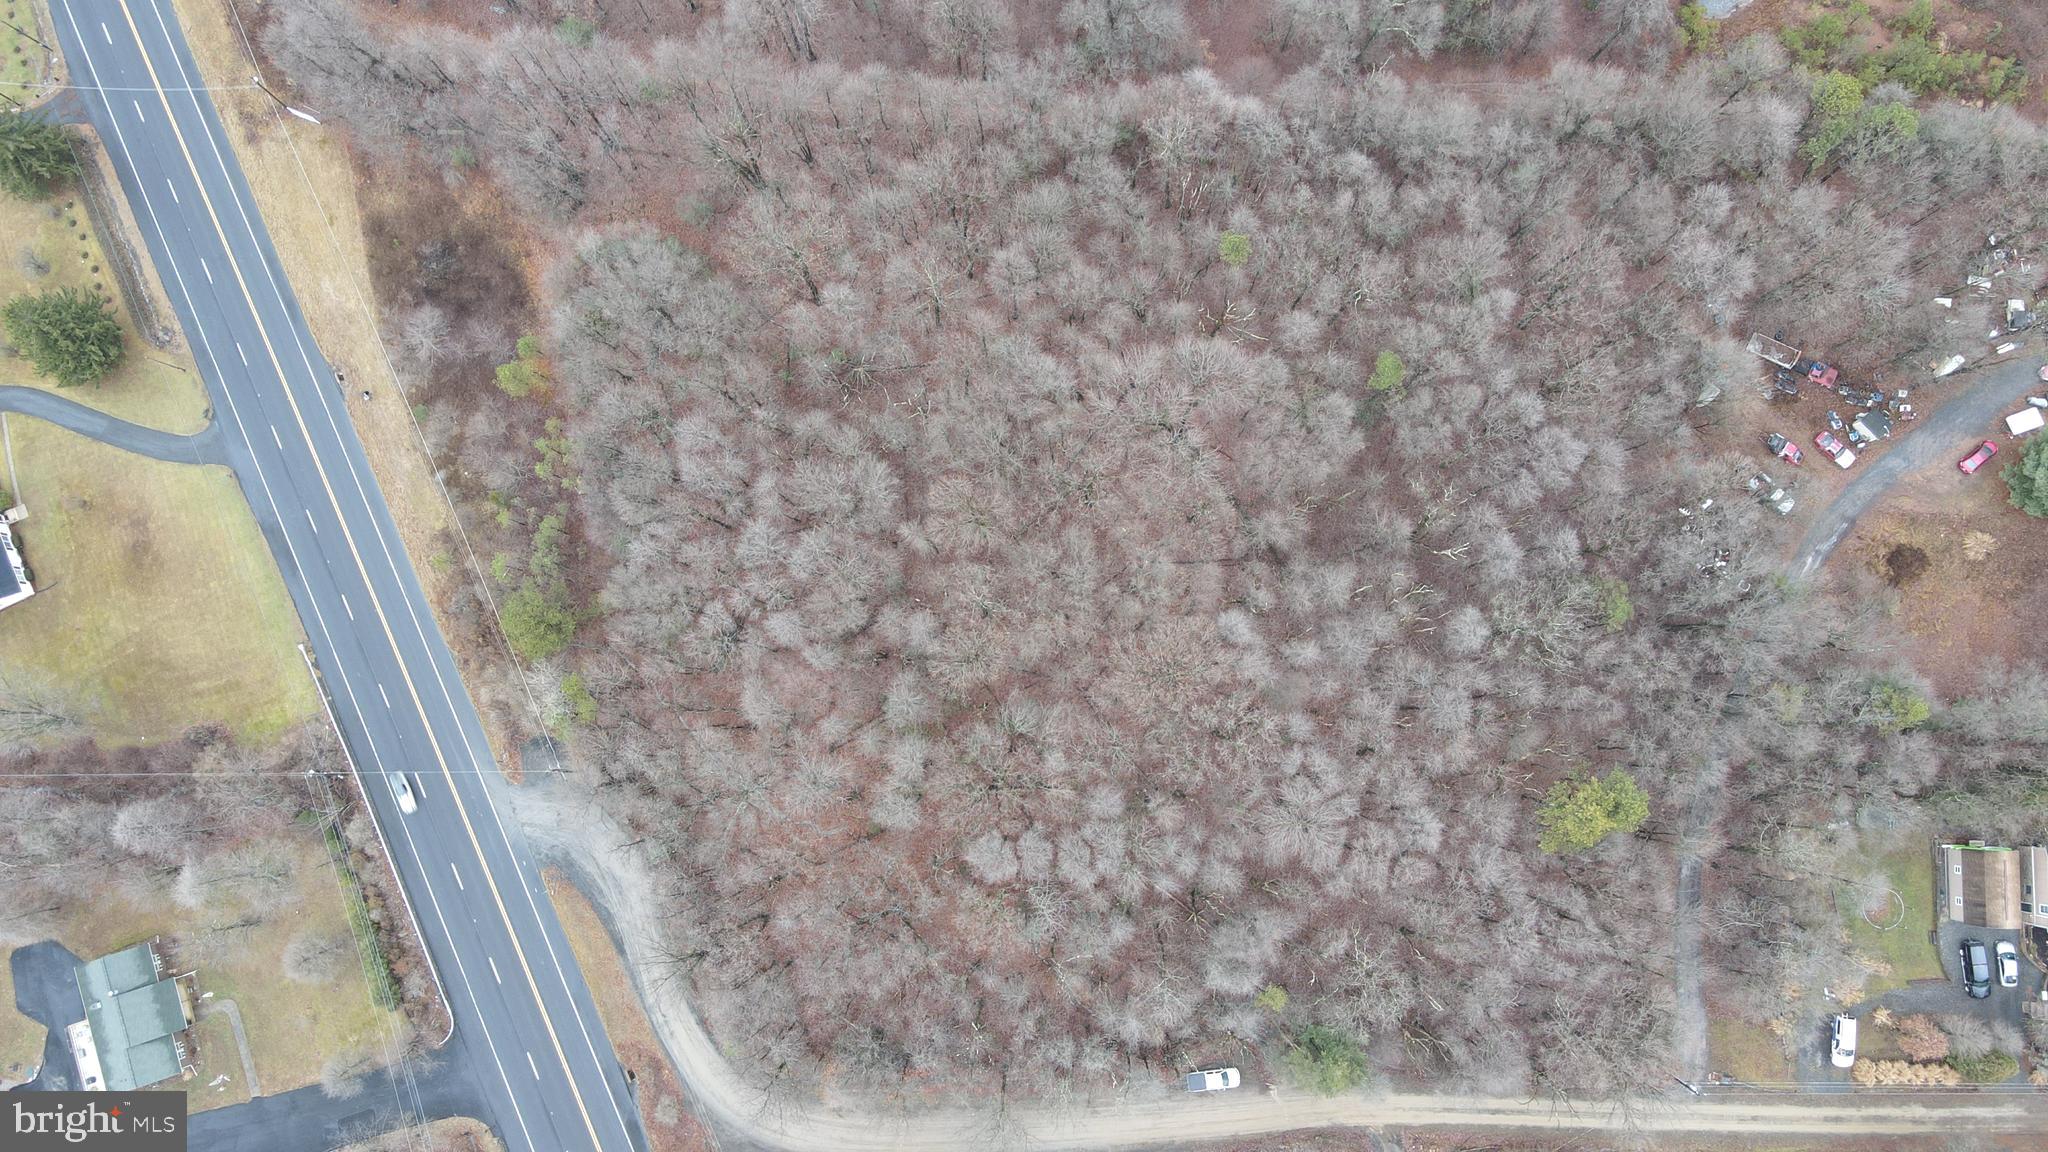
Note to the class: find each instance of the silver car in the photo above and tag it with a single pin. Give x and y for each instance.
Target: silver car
(401, 791)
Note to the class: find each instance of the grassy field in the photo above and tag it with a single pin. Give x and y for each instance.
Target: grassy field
(158, 604)
(670, 1128)
(1747, 1051)
(21, 61)
(293, 1028)
(1906, 948)
(21, 1039)
(151, 387)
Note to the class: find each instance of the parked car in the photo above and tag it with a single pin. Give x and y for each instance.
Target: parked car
(1975, 460)
(1976, 969)
(1212, 1080)
(1827, 442)
(401, 791)
(1842, 1047)
(1835, 421)
(2008, 965)
(1783, 449)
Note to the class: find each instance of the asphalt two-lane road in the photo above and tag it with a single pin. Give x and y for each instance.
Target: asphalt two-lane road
(542, 1058)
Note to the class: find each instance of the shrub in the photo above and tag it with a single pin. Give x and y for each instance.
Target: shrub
(1326, 1061)
(582, 705)
(1920, 1038)
(1990, 1068)
(1895, 708)
(1695, 31)
(1902, 1072)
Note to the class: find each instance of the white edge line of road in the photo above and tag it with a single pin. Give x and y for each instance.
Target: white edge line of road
(320, 690)
(390, 861)
(199, 329)
(384, 545)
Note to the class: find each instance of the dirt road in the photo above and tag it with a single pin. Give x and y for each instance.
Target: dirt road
(1941, 439)
(565, 827)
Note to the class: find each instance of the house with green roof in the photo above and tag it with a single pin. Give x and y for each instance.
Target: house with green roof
(137, 1017)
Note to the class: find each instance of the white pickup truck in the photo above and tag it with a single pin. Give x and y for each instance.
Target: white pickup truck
(1212, 1080)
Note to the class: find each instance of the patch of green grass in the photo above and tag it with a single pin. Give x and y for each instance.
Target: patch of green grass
(215, 1054)
(21, 61)
(1747, 1051)
(157, 389)
(21, 1039)
(1908, 948)
(293, 1028)
(158, 605)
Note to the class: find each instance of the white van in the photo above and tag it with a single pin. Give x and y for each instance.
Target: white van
(1842, 1052)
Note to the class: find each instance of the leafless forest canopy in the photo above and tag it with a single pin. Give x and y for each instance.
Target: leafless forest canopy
(1028, 610)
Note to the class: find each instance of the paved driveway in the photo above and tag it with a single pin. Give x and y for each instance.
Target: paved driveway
(46, 991)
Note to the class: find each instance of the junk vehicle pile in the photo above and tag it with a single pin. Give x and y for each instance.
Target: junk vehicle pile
(1876, 412)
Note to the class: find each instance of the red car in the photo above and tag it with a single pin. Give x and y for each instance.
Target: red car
(1827, 443)
(1975, 460)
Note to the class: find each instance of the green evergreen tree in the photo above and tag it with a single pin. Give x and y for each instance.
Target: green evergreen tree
(2026, 479)
(34, 154)
(1584, 810)
(67, 334)
(1326, 1061)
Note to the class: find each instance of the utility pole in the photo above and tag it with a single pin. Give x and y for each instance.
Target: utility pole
(27, 33)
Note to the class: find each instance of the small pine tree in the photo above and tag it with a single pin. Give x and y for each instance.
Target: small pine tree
(1584, 810)
(1389, 375)
(34, 154)
(2026, 479)
(1326, 1061)
(67, 334)
(1235, 248)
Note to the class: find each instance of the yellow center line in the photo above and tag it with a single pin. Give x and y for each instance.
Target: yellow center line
(375, 602)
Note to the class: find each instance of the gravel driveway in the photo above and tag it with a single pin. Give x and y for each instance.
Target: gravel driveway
(1943, 438)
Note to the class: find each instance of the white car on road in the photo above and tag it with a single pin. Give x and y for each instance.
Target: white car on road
(1212, 1080)
(401, 791)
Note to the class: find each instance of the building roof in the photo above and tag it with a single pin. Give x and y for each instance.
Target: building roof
(1874, 423)
(1981, 885)
(14, 582)
(10, 583)
(2034, 886)
(135, 1017)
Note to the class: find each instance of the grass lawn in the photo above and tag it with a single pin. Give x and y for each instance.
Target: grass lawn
(213, 1042)
(670, 1128)
(1747, 1051)
(21, 61)
(1907, 948)
(21, 1039)
(151, 387)
(158, 604)
(293, 1028)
